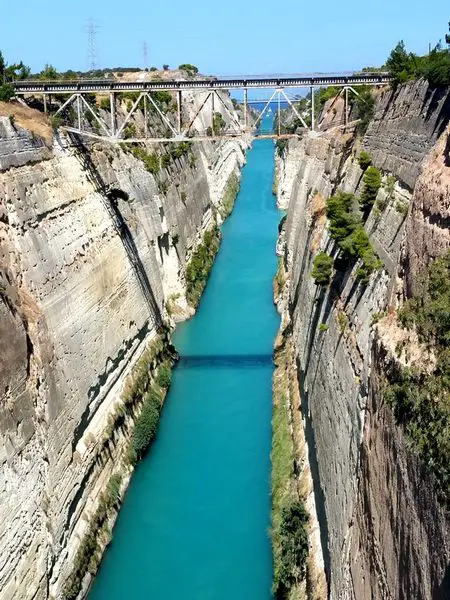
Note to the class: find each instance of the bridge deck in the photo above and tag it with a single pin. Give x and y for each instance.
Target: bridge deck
(87, 86)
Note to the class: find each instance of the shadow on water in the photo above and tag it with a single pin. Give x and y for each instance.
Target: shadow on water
(226, 360)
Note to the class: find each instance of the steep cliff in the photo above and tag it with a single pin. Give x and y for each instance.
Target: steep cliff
(93, 253)
(384, 533)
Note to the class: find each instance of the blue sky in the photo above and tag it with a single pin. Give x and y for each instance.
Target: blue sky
(221, 37)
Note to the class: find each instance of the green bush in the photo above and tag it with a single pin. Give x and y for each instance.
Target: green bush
(218, 123)
(322, 269)
(230, 194)
(145, 429)
(364, 160)
(372, 183)
(281, 145)
(348, 231)
(6, 92)
(199, 266)
(340, 214)
(105, 103)
(150, 159)
(164, 376)
(191, 70)
(294, 547)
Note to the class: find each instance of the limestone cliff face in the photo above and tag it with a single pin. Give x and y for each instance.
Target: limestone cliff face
(384, 534)
(92, 246)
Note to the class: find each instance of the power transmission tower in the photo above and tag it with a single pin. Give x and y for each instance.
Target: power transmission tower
(92, 29)
(145, 53)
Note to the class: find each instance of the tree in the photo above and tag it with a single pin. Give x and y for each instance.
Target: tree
(322, 269)
(364, 160)
(191, 70)
(2, 66)
(372, 183)
(165, 67)
(401, 64)
(49, 72)
(339, 212)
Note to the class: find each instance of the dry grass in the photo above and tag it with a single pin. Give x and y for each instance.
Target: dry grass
(28, 118)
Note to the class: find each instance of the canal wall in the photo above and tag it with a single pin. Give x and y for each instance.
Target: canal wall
(384, 533)
(93, 256)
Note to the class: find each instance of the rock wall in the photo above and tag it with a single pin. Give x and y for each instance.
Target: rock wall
(378, 524)
(92, 247)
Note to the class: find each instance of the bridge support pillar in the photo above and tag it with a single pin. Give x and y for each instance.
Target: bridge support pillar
(112, 106)
(346, 105)
(79, 110)
(45, 103)
(179, 102)
(312, 109)
(245, 109)
(279, 112)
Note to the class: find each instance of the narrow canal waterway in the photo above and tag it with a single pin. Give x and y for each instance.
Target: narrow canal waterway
(195, 521)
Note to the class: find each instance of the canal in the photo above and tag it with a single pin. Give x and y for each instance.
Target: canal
(195, 522)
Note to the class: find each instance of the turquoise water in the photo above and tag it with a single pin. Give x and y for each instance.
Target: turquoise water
(195, 521)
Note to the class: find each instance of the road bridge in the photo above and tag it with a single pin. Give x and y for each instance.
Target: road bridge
(89, 122)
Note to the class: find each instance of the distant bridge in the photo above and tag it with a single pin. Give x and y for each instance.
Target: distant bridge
(113, 131)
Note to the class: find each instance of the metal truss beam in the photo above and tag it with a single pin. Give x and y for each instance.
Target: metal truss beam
(177, 131)
(92, 85)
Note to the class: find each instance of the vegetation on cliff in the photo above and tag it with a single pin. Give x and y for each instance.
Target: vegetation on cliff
(434, 67)
(229, 197)
(347, 229)
(322, 268)
(372, 183)
(289, 516)
(88, 556)
(199, 266)
(420, 399)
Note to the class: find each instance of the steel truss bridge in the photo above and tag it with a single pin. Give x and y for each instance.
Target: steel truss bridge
(212, 95)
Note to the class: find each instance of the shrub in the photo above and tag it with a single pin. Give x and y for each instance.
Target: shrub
(346, 228)
(145, 429)
(322, 269)
(6, 92)
(199, 266)
(294, 546)
(105, 103)
(191, 70)
(372, 183)
(401, 208)
(113, 487)
(150, 159)
(323, 327)
(280, 146)
(218, 123)
(230, 194)
(56, 121)
(164, 376)
(364, 160)
(339, 212)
